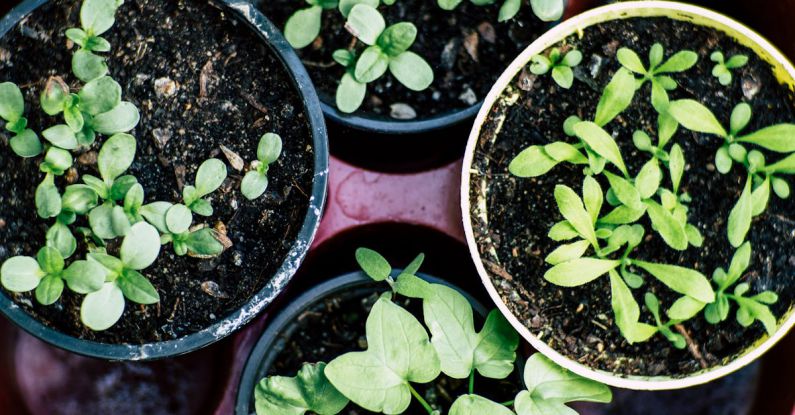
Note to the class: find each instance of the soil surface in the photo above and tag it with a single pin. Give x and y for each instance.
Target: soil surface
(467, 49)
(578, 322)
(336, 325)
(224, 87)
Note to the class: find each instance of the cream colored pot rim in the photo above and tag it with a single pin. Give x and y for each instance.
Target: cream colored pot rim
(626, 9)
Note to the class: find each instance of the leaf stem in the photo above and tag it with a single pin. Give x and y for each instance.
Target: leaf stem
(472, 382)
(421, 400)
(507, 403)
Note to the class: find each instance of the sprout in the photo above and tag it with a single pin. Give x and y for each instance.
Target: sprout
(255, 182)
(560, 65)
(722, 68)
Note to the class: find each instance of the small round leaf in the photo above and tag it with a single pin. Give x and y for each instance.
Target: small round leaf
(20, 273)
(141, 246)
(178, 219)
(253, 185)
(102, 309)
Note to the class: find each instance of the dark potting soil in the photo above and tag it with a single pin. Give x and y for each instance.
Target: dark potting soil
(467, 49)
(336, 325)
(224, 87)
(578, 322)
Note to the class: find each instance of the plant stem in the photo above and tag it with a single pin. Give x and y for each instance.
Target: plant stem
(508, 403)
(472, 382)
(420, 399)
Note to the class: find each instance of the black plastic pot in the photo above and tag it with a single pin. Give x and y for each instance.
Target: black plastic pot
(252, 19)
(279, 330)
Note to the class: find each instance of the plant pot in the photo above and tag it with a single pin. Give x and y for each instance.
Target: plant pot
(285, 218)
(371, 137)
(498, 264)
(285, 325)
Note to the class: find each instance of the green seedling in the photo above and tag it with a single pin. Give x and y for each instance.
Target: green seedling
(209, 177)
(561, 66)
(546, 10)
(303, 26)
(174, 221)
(723, 68)
(400, 353)
(653, 304)
(255, 182)
(750, 309)
(658, 72)
(46, 274)
(387, 49)
(25, 142)
(96, 18)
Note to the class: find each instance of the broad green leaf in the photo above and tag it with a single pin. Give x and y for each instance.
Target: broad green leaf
(648, 180)
(624, 191)
(685, 308)
(113, 266)
(579, 271)
(365, 23)
(630, 60)
(562, 231)
(20, 274)
(550, 387)
(547, 10)
(780, 138)
(119, 221)
(344, 57)
(563, 76)
(121, 119)
(671, 230)
(178, 219)
(760, 197)
(397, 38)
(411, 286)
(411, 70)
(253, 185)
(627, 312)
(740, 261)
(56, 161)
(49, 290)
(116, 156)
(26, 144)
(303, 27)
(140, 247)
(540, 64)
(121, 186)
(60, 237)
(571, 207)
(696, 117)
(101, 221)
(345, 6)
(85, 277)
(495, 352)
(682, 280)
(741, 115)
(373, 264)
(785, 165)
(561, 151)
(309, 390)
(667, 128)
(600, 142)
(572, 58)
(449, 4)
(74, 118)
(477, 405)
(592, 197)
(137, 288)
(87, 66)
(350, 94)
(61, 136)
(50, 260)
(102, 309)
(567, 252)
(97, 16)
(756, 311)
(509, 9)
(622, 215)
(398, 352)
(740, 216)
(134, 199)
(12, 104)
(616, 97)
(203, 243)
(79, 198)
(677, 166)
(679, 62)
(210, 176)
(531, 162)
(48, 200)
(371, 65)
(54, 95)
(269, 148)
(100, 95)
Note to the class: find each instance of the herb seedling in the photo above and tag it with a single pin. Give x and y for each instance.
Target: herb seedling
(96, 18)
(387, 49)
(255, 182)
(722, 68)
(546, 10)
(209, 177)
(400, 353)
(25, 142)
(561, 66)
(658, 72)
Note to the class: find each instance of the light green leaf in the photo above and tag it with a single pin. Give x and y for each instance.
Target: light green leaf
(253, 184)
(592, 197)
(79, 198)
(477, 405)
(563, 76)
(531, 162)
(571, 207)
(12, 104)
(579, 271)
(101, 221)
(622, 215)
(398, 352)
(119, 221)
(695, 117)
(616, 97)
(60, 237)
(397, 38)
(365, 23)
(648, 180)
(85, 277)
(48, 200)
(20, 274)
(676, 165)
(495, 352)
(624, 191)
(269, 148)
(116, 156)
(345, 6)
(97, 16)
(760, 197)
(140, 247)
(671, 230)
(87, 66)
(740, 216)
(679, 62)
(682, 280)
(122, 118)
(178, 219)
(739, 263)
(137, 288)
(100, 95)
(350, 94)
(547, 10)
(509, 9)
(49, 290)
(561, 151)
(567, 252)
(203, 243)
(310, 390)
(210, 176)
(685, 308)
(780, 138)
(741, 115)
(562, 231)
(303, 27)
(55, 94)
(102, 309)
(627, 311)
(50, 260)
(26, 144)
(62, 136)
(630, 60)
(371, 65)
(411, 70)
(373, 264)
(600, 142)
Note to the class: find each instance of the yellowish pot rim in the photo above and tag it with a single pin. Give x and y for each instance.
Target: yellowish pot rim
(783, 70)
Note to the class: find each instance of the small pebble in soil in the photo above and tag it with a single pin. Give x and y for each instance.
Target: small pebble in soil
(161, 137)
(401, 111)
(469, 97)
(88, 158)
(750, 86)
(165, 87)
(449, 53)
(212, 289)
(487, 32)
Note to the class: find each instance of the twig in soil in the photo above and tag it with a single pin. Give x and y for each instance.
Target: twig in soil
(174, 310)
(691, 345)
(205, 75)
(500, 271)
(322, 65)
(297, 186)
(253, 102)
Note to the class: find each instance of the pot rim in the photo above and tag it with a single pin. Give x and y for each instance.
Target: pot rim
(270, 35)
(783, 70)
(284, 318)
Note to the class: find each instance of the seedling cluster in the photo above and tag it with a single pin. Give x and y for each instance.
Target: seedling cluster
(107, 209)
(559, 64)
(378, 48)
(603, 238)
(400, 353)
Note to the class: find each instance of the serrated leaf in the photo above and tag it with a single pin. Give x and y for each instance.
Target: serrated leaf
(600, 142)
(571, 207)
(309, 390)
(671, 230)
(616, 97)
(696, 117)
(680, 279)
